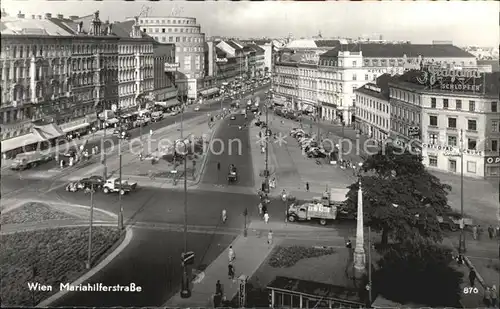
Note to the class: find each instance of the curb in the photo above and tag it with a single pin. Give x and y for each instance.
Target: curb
(125, 242)
(478, 275)
(205, 158)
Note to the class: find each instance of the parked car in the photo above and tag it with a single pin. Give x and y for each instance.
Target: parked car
(233, 117)
(197, 109)
(95, 180)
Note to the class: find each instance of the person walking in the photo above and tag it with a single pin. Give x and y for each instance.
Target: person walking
(474, 232)
(494, 296)
(266, 218)
(491, 231)
(264, 208)
(472, 277)
(218, 288)
(260, 209)
(307, 186)
(224, 216)
(270, 238)
(231, 254)
(479, 232)
(487, 297)
(230, 271)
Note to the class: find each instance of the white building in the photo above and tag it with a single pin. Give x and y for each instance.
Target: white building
(340, 73)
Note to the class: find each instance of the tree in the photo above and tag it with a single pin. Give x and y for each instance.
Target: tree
(400, 197)
(419, 273)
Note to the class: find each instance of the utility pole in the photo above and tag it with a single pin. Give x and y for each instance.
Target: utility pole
(120, 193)
(186, 291)
(267, 144)
(370, 266)
(103, 143)
(89, 258)
(461, 245)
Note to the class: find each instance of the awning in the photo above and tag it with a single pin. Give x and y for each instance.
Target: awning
(112, 121)
(20, 141)
(49, 131)
(169, 103)
(77, 127)
(209, 91)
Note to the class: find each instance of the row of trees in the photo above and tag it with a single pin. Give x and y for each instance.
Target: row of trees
(401, 200)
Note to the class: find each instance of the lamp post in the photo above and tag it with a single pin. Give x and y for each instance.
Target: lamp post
(359, 251)
(117, 110)
(284, 199)
(89, 257)
(461, 245)
(186, 291)
(266, 171)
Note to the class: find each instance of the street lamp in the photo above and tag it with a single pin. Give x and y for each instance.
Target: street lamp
(185, 291)
(266, 171)
(284, 199)
(121, 136)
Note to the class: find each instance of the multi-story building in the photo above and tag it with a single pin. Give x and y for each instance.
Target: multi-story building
(189, 41)
(51, 82)
(340, 73)
(307, 100)
(136, 61)
(285, 81)
(373, 109)
(269, 49)
(164, 84)
(259, 60)
(230, 61)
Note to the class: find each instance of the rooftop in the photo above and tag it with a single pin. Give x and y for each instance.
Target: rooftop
(233, 44)
(495, 67)
(374, 50)
(27, 26)
(381, 83)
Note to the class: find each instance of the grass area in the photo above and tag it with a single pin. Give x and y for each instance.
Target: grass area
(489, 269)
(33, 212)
(49, 257)
(288, 256)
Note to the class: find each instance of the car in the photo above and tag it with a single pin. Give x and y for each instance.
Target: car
(94, 180)
(197, 108)
(232, 175)
(233, 117)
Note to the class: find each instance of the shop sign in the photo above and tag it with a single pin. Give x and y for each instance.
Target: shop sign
(449, 150)
(492, 160)
(171, 67)
(221, 60)
(451, 80)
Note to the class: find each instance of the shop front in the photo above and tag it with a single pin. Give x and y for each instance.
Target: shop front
(76, 127)
(451, 159)
(492, 166)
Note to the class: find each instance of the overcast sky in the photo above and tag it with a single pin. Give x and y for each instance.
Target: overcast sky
(464, 23)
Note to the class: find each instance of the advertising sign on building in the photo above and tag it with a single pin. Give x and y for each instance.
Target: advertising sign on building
(492, 160)
(171, 67)
(221, 60)
(451, 79)
(191, 89)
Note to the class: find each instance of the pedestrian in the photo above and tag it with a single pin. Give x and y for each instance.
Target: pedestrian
(472, 277)
(487, 297)
(266, 218)
(260, 209)
(217, 300)
(498, 231)
(264, 208)
(231, 254)
(218, 288)
(474, 232)
(307, 186)
(494, 296)
(270, 237)
(230, 271)
(224, 216)
(479, 232)
(491, 231)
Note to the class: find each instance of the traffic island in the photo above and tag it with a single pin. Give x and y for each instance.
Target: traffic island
(33, 212)
(43, 260)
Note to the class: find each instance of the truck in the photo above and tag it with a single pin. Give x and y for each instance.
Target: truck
(29, 159)
(156, 116)
(311, 211)
(113, 185)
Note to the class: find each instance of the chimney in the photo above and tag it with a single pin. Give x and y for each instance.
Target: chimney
(73, 17)
(48, 15)
(39, 16)
(80, 27)
(20, 15)
(60, 16)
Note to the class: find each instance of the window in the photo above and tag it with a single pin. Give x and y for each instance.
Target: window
(452, 123)
(494, 126)
(433, 102)
(433, 138)
(494, 145)
(452, 140)
(471, 167)
(177, 39)
(472, 106)
(445, 103)
(433, 161)
(471, 143)
(494, 107)
(452, 165)
(458, 104)
(433, 121)
(471, 125)
(366, 77)
(170, 39)
(163, 30)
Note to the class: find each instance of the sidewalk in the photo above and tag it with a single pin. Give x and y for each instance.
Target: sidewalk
(250, 252)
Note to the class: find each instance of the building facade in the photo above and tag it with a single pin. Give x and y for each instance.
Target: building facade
(340, 73)
(164, 84)
(307, 94)
(285, 82)
(373, 111)
(189, 41)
